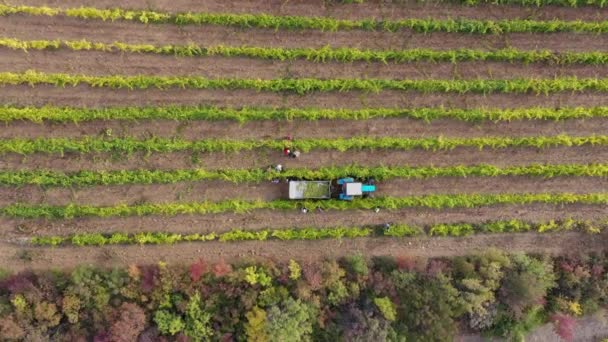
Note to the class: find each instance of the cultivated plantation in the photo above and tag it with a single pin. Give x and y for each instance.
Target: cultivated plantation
(146, 151)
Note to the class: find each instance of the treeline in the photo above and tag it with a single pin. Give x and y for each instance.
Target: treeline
(382, 299)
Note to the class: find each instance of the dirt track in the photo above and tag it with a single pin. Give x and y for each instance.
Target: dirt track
(313, 159)
(32, 28)
(267, 191)
(370, 8)
(68, 257)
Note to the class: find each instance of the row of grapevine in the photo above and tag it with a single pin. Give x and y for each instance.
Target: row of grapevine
(311, 233)
(163, 145)
(88, 178)
(321, 55)
(307, 85)
(211, 113)
(436, 201)
(267, 21)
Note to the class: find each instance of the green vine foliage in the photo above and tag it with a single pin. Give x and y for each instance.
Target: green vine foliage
(266, 21)
(89, 178)
(72, 114)
(437, 201)
(164, 145)
(321, 55)
(307, 85)
(397, 230)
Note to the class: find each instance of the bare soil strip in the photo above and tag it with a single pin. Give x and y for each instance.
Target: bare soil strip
(85, 96)
(368, 9)
(299, 129)
(267, 191)
(32, 28)
(105, 63)
(313, 159)
(12, 256)
(15, 229)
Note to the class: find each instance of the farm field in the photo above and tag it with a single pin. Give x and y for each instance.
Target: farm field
(175, 123)
(142, 132)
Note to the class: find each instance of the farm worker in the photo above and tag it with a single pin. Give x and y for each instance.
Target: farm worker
(376, 210)
(386, 225)
(275, 181)
(288, 138)
(279, 168)
(296, 154)
(304, 210)
(286, 151)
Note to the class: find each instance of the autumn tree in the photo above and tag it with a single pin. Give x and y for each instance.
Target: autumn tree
(130, 323)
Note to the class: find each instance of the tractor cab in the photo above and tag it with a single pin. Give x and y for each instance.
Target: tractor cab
(350, 189)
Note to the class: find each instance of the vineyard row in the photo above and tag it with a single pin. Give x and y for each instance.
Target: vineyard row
(321, 55)
(311, 233)
(307, 85)
(436, 201)
(266, 21)
(163, 145)
(123, 177)
(184, 113)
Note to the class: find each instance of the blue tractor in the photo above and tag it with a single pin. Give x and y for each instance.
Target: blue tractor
(346, 189)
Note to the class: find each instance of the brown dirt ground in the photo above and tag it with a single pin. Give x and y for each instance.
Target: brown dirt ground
(103, 63)
(313, 159)
(102, 97)
(28, 27)
(269, 129)
(11, 256)
(370, 8)
(267, 191)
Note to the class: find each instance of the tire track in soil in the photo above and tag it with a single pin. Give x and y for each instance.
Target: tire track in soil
(313, 159)
(65, 28)
(11, 228)
(184, 253)
(217, 191)
(106, 63)
(269, 129)
(85, 96)
(368, 9)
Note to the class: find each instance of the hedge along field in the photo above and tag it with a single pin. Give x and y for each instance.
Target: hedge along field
(308, 85)
(210, 113)
(436, 201)
(321, 55)
(123, 177)
(312, 233)
(265, 21)
(163, 145)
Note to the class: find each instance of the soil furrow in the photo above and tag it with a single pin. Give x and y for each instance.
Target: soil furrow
(313, 159)
(261, 219)
(368, 9)
(15, 257)
(101, 64)
(267, 191)
(269, 129)
(32, 28)
(84, 96)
